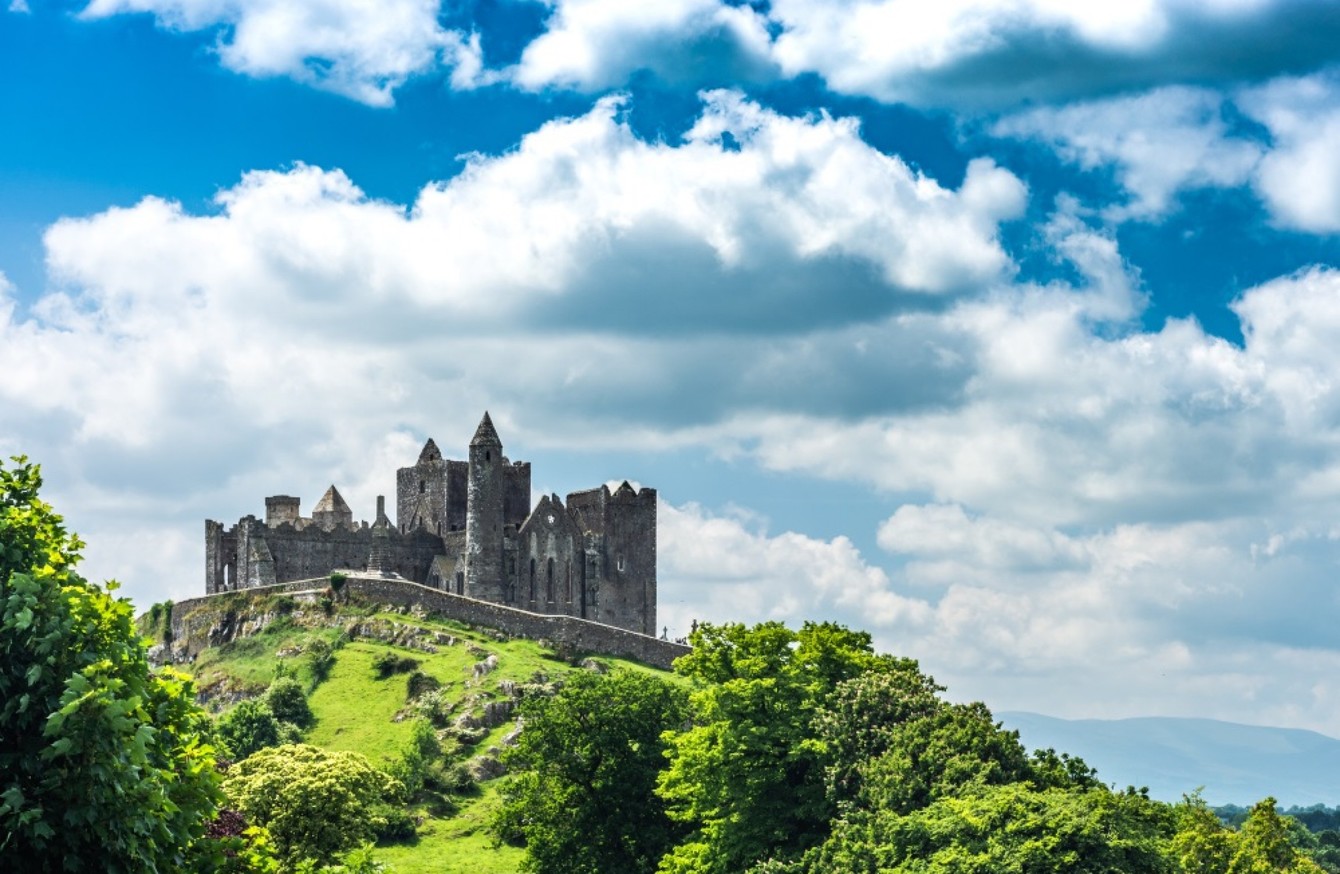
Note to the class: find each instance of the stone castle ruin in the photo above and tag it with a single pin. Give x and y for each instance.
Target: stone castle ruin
(464, 527)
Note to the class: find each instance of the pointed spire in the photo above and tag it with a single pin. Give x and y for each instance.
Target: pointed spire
(430, 452)
(331, 502)
(485, 435)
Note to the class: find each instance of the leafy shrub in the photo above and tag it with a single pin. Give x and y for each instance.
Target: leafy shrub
(315, 803)
(434, 706)
(288, 702)
(420, 684)
(389, 663)
(456, 778)
(252, 726)
(392, 822)
(320, 659)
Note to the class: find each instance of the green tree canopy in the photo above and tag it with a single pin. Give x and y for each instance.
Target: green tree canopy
(749, 775)
(582, 797)
(103, 763)
(1006, 829)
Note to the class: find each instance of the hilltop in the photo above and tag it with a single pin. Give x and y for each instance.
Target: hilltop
(372, 669)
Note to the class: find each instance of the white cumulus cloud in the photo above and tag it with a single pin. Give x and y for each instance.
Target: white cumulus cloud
(362, 49)
(1160, 143)
(1300, 177)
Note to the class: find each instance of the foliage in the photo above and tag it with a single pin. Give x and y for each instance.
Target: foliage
(749, 776)
(1004, 829)
(389, 663)
(587, 763)
(416, 758)
(230, 846)
(320, 659)
(252, 726)
(103, 764)
(288, 702)
(314, 803)
(419, 684)
(1264, 845)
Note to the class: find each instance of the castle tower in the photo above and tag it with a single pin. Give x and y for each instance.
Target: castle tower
(281, 510)
(332, 512)
(486, 489)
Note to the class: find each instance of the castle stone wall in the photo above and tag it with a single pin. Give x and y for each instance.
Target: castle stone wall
(568, 633)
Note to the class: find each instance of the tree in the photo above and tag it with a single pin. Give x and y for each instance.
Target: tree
(749, 775)
(1009, 829)
(104, 764)
(1202, 844)
(586, 763)
(1264, 845)
(863, 715)
(252, 726)
(288, 702)
(956, 748)
(313, 802)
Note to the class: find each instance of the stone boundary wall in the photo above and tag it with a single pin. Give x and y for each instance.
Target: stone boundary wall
(568, 633)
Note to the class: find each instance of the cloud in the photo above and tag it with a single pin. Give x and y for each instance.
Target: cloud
(975, 54)
(992, 54)
(1160, 143)
(964, 54)
(518, 237)
(724, 568)
(358, 49)
(594, 45)
(1299, 179)
(1181, 619)
(19, 6)
(1176, 139)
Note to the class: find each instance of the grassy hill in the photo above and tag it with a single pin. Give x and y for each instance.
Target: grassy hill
(466, 680)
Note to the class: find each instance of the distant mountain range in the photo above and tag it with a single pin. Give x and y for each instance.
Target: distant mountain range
(1235, 764)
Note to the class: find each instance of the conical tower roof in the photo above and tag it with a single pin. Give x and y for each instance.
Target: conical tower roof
(430, 452)
(331, 502)
(485, 434)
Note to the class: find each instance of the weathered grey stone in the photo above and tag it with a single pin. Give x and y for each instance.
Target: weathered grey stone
(463, 527)
(195, 621)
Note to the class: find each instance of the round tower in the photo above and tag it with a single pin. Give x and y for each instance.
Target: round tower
(485, 492)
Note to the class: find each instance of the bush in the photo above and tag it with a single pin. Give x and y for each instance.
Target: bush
(288, 702)
(315, 803)
(419, 684)
(251, 726)
(456, 778)
(389, 663)
(434, 706)
(320, 659)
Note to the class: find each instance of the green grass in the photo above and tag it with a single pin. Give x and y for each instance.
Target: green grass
(356, 711)
(458, 845)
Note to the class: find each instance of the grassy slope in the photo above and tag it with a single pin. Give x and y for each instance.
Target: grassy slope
(356, 711)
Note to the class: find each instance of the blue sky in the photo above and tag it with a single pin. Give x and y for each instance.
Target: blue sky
(1005, 330)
